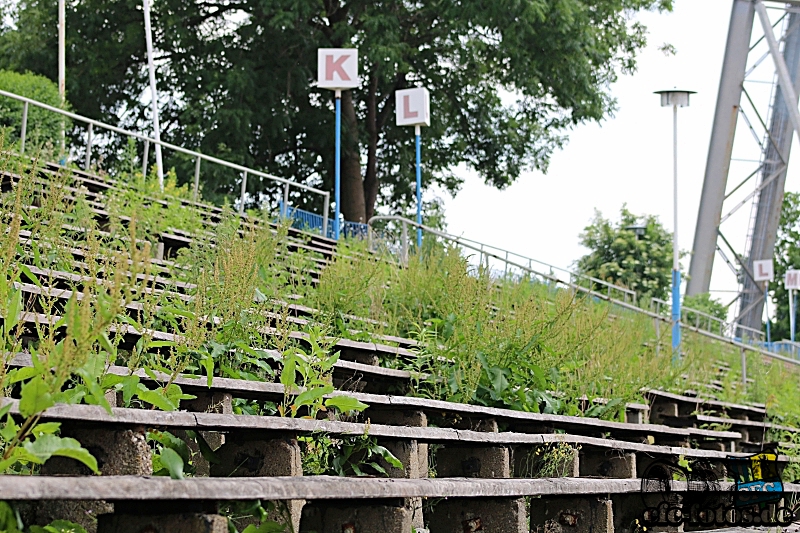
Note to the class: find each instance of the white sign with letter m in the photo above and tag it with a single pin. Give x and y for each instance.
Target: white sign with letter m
(792, 279)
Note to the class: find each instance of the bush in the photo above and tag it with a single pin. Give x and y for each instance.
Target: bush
(43, 126)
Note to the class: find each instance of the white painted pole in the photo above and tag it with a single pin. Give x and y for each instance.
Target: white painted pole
(62, 66)
(148, 36)
(676, 273)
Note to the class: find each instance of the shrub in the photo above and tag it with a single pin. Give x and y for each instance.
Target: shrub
(43, 126)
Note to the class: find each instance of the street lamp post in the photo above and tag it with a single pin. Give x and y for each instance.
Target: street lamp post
(676, 99)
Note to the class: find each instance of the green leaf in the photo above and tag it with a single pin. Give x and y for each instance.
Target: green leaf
(9, 429)
(48, 445)
(161, 344)
(175, 394)
(208, 365)
(172, 462)
(14, 304)
(107, 345)
(130, 386)
(265, 527)
(35, 397)
(96, 394)
(46, 428)
(21, 374)
(33, 278)
(345, 404)
(59, 526)
(155, 398)
(387, 456)
(168, 440)
(205, 450)
(308, 397)
(9, 519)
(289, 372)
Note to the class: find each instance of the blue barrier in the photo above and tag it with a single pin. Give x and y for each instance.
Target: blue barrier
(307, 221)
(781, 347)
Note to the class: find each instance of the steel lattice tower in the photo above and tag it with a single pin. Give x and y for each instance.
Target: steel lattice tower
(773, 128)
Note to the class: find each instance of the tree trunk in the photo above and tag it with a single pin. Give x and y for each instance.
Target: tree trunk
(371, 178)
(353, 206)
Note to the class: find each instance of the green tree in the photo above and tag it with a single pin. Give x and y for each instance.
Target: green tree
(507, 79)
(787, 257)
(634, 252)
(43, 126)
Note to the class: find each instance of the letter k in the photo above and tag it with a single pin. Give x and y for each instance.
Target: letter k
(332, 66)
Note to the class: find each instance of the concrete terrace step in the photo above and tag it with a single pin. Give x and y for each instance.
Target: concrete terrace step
(150, 488)
(463, 414)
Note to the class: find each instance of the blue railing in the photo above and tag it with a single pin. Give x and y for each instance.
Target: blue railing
(307, 221)
(785, 347)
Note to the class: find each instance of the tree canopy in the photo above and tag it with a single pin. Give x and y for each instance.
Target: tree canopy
(507, 78)
(787, 257)
(617, 254)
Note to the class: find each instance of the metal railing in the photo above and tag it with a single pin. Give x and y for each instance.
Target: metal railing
(511, 261)
(606, 294)
(707, 322)
(305, 220)
(198, 157)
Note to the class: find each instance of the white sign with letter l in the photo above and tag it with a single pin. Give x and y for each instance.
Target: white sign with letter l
(763, 270)
(413, 107)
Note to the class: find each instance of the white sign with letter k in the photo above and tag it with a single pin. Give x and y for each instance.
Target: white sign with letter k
(337, 68)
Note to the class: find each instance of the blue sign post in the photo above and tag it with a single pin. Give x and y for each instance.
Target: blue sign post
(337, 69)
(413, 108)
(337, 188)
(418, 134)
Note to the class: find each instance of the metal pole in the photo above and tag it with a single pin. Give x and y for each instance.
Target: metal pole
(676, 273)
(784, 78)
(196, 194)
(744, 367)
(145, 156)
(337, 165)
(791, 314)
(148, 35)
(404, 244)
(242, 195)
(718, 162)
(418, 134)
(286, 200)
(88, 148)
(62, 67)
(766, 312)
(24, 128)
(325, 207)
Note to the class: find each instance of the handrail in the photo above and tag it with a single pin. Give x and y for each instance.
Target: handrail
(197, 155)
(486, 250)
(624, 304)
(731, 327)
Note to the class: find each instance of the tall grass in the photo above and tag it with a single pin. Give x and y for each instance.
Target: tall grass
(511, 342)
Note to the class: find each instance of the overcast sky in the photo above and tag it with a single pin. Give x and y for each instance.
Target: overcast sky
(627, 158)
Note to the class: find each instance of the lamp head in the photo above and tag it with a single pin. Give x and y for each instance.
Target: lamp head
(675, 97)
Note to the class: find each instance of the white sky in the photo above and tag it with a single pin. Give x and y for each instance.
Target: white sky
(628, 158)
